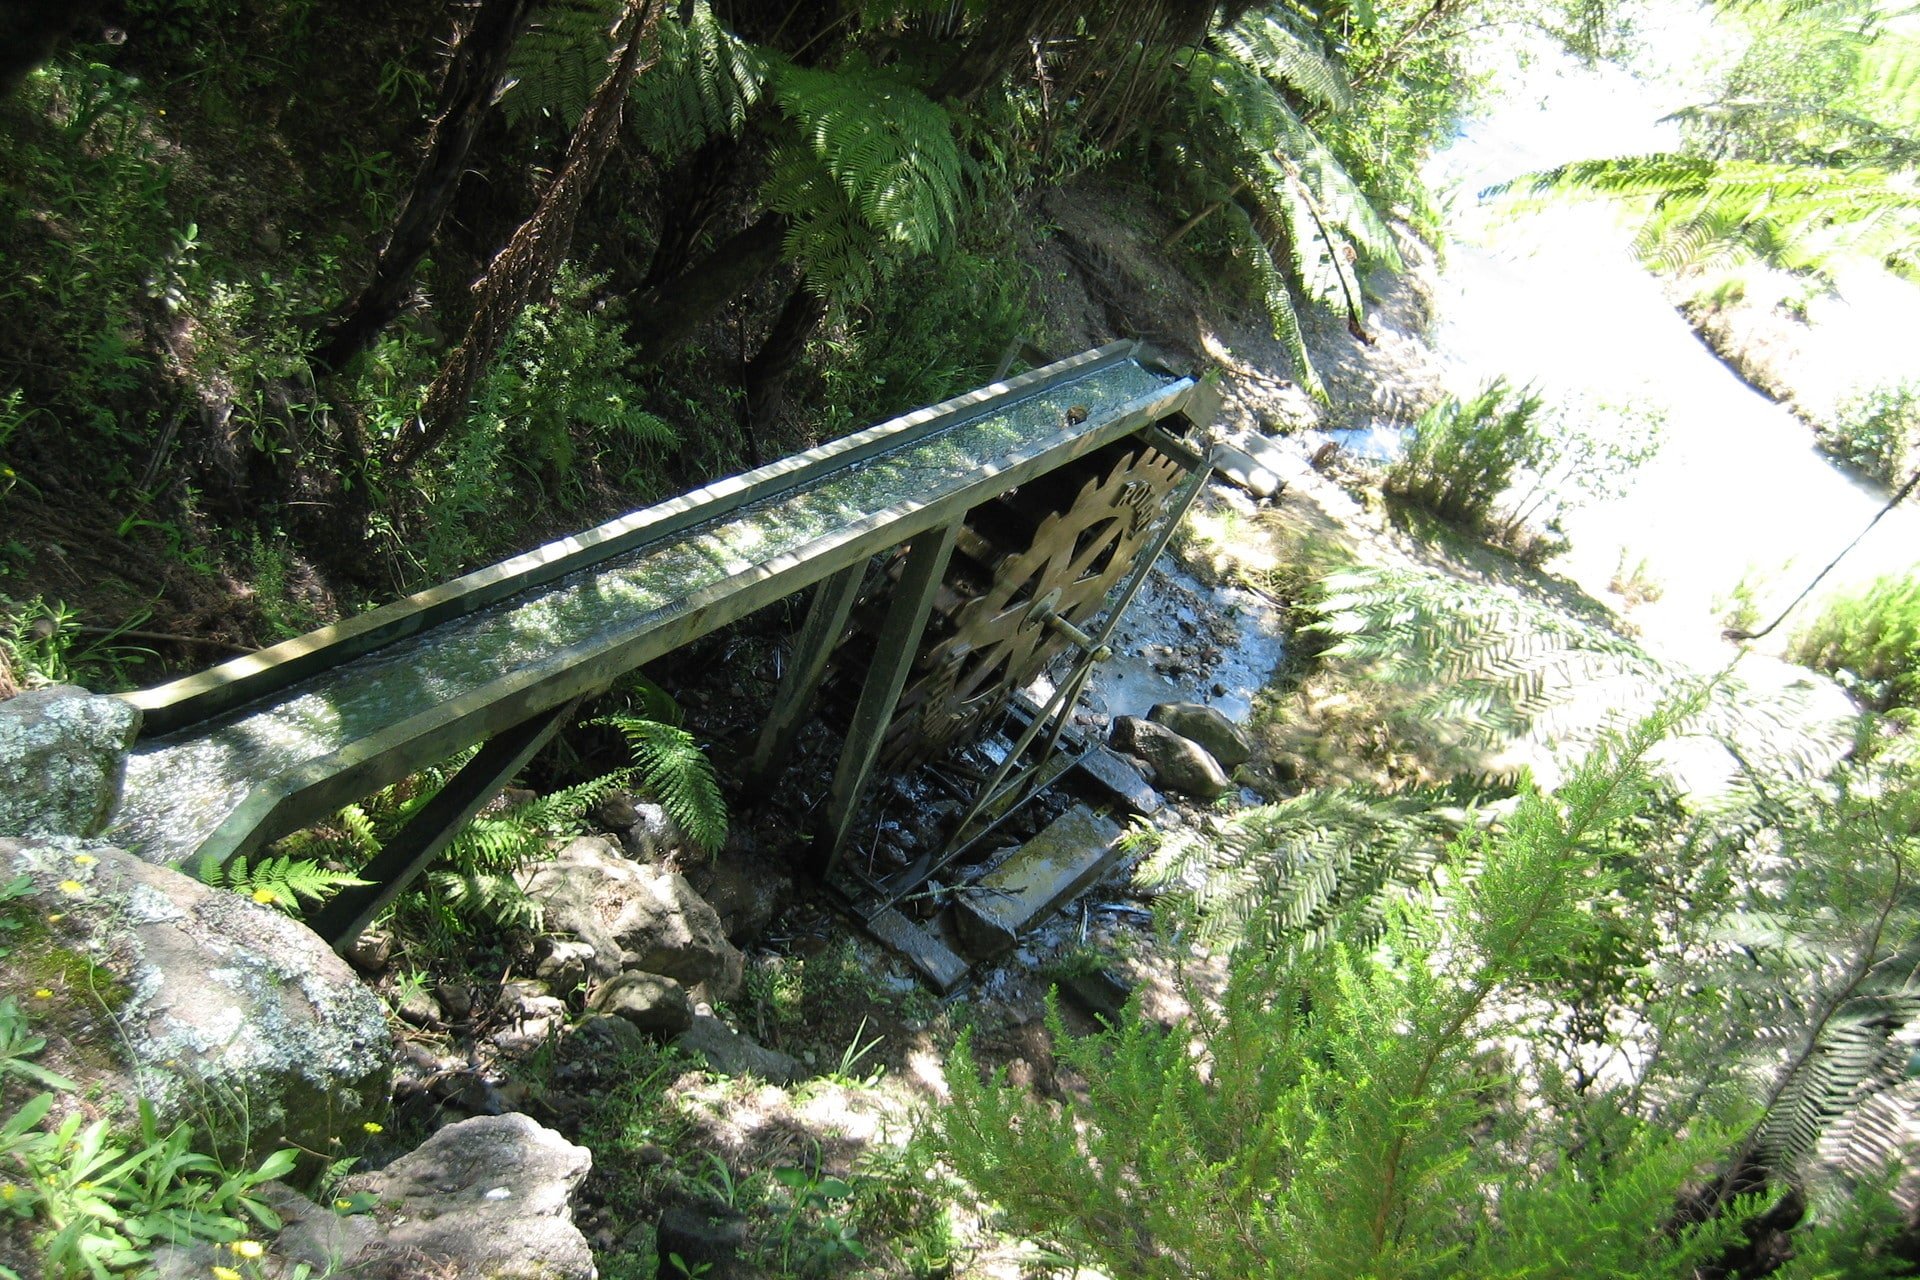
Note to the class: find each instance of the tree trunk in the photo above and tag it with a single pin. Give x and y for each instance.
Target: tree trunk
(523, 272)
(765, 376)
(665, 317)
(479, 63)
(698, 191)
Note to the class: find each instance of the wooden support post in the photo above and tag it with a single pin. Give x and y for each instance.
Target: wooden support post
(418, 843)
(826, 620)
(892, 661)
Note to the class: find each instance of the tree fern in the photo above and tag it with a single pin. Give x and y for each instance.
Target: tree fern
(560, 61)
(704, 84)
(282, 881)
(677, 774)
(875, 160)
(1295, 873)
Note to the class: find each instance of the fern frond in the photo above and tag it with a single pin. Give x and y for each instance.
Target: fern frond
(555, 67)
(493, 897)
(1267, 43)
(281, 881)
(704, 84)
(678, 774)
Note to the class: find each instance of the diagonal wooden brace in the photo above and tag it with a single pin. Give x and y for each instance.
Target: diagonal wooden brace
(429, 832)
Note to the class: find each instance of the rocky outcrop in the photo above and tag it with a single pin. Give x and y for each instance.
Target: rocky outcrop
(729, 1053)
(635, 916)
(63, 753)
(491, 1196)
(1178, 763)
(1208, 726)
(217, 1002)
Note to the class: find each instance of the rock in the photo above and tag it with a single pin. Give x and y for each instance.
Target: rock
(1047, 872)
(1224, 740)
(647, 1000)
(731, 1054)
(600, 1040)
(63, 753)
(213, 997)
(566, 963)
(1178, 763)
(370, 953)
(417, 1008)
(707, 1244)
(321, 1238)
(489, 1197)
(635, 917)
(646, 831)
(746, 891)
(532, 1014)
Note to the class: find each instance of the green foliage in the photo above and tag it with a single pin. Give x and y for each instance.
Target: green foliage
(678, 774)
(282, 881)
(560, 60)
(1300, 872)
(42, 642)
(875, 166)
(97, 1204)
(1871, 639)
(1343, 1112)
(704, 84)
(1461, 456)
(1878, 431)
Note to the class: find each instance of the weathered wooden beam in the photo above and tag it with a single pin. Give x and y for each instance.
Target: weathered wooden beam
(819, 635)
(413, 849)
(898, 645)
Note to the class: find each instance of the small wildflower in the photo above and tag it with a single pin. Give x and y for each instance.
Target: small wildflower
(343, 1204)
(372, 1127)
(8, 1192)
(44, 993)
(71, 886)
(263, 896)
(84, 859)
(225, 1273)
(55, 918)
(248, 1248)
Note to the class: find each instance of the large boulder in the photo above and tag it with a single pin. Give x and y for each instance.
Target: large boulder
(1208, 726)
(745, 889)
(63, 753)
(1178, 763)
(491, 1196)
(216, 1002)
(635, 916)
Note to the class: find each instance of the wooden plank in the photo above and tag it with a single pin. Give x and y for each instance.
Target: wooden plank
(938, 963)
(819, 635)
(898, 645)
(1047, 872)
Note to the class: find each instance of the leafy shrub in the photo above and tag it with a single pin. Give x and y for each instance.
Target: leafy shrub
(1872, 640)
(1462, 455)
(1877, 431)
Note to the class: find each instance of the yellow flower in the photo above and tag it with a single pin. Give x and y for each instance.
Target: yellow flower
(343, 1204)
(263, 896)
(371, 1127)
(71, 886)
(55, 918)
(225, 1273)
(8, 1192)
(248, 1248)
(43, 993)
(84, 859)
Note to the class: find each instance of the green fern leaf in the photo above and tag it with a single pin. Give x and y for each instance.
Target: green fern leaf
(678, 774)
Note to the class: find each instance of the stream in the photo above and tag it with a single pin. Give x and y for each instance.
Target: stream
(1738, 492)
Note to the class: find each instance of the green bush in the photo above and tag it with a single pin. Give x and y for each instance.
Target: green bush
(1877, 431)
(1462, 455)
(1871, 640)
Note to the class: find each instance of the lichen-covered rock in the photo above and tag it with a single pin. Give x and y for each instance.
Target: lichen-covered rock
(1178, 763)
(1208, 726)
(487, 1197)
(63, 753)
(635, 916)
(217, 1003)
